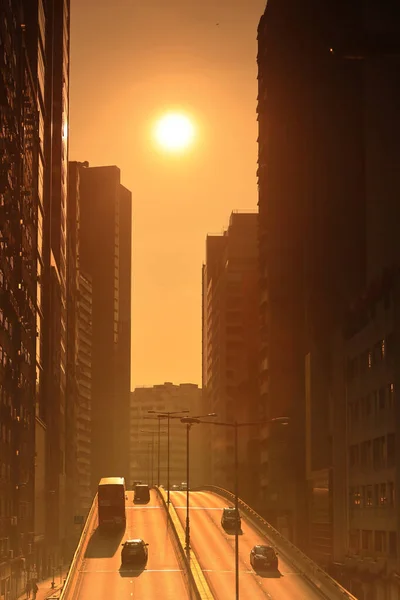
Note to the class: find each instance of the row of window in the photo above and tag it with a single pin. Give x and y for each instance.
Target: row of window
(373, 495)
(377, 453)
(383, 349)
(371, 405)
(367, 540)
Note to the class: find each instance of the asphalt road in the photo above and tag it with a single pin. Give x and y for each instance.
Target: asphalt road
(101, 576)
(214, 549)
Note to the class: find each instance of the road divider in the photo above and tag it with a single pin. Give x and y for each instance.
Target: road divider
(327, 586)
(197, 582)
(70, 590)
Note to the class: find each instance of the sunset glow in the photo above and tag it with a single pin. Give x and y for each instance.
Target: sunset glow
(174, 132)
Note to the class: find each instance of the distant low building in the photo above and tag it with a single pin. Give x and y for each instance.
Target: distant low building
(144, 449)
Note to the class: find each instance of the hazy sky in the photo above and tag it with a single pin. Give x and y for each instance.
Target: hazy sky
(132, 60)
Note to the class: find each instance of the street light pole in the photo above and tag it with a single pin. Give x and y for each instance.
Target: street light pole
(189, 421)
(158, 453)
(152, 460)
(187, 533)
(236, 511)
(235, 425)
(168, 482)
(167, 415)
(151, 450)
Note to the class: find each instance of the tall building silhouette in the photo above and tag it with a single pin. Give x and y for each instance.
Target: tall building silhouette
(365, 381)
(311, 177)
(231, 346)
(105, 254)
(34, 113)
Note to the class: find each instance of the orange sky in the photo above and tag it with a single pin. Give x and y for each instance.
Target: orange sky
(130, 61)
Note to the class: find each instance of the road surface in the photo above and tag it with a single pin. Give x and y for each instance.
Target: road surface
(101, 577)
(214, 549)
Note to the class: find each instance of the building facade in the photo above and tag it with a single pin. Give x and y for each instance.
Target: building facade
(84, 395)
(145, 450)
(231, 347)
(18, 276)
(105, 254)
(311, 178)
(366, 416)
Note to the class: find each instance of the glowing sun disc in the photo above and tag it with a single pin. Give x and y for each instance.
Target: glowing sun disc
(174, 132)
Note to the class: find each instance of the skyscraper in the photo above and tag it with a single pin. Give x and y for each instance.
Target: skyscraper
(105, 254)
(311, 194)
(231, 345)
(34, 100)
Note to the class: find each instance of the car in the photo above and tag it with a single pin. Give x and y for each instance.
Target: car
(134, 552)
(142, 493)
(264, 557)
(230, 519)
(183, 487)
(175, 488)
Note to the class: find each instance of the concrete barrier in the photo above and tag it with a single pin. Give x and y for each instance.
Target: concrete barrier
(327, 586)
(70, 590)
(196, 581)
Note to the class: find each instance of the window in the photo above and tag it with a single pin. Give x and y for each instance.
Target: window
(390, 395)
(391, 493)
(382, 494)
(354, 455)
(382, 398)
(365, 453)
(390, 346)
(383, 349)
(393, 544)
(369, 501)
(366, 539)
(369, 359)
(391, 450)
(355, 496)
(378, 452)
(380, 541)
(354, 541)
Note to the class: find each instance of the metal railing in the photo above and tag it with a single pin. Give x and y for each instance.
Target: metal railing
(327, 586)
(69, 590)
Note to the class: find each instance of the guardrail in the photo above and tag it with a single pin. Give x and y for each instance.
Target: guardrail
(327, 586)
(69, 591)
(195, 578)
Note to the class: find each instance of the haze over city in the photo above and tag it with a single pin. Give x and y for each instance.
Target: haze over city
(137, 61)
(199, 299)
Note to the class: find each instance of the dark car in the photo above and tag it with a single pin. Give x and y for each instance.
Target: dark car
(230, 519)
(142, 493)
(264, 558)
(134, 552)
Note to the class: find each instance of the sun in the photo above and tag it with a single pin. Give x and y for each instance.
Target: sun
(174, 132)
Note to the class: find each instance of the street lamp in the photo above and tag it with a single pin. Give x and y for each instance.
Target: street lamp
(168, 415)
(153, 433)
(235, 425)
(189, 421)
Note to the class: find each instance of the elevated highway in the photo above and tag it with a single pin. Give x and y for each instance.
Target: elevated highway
(96, 569)
(215, 551)
(97, 574)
